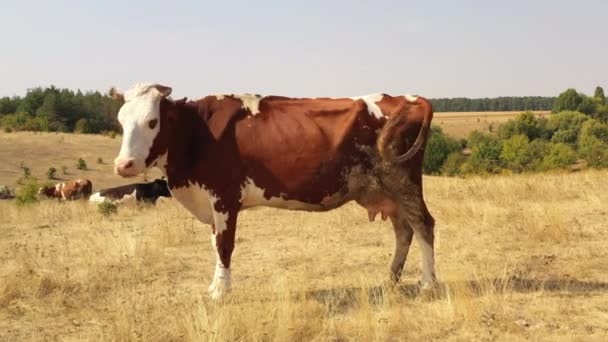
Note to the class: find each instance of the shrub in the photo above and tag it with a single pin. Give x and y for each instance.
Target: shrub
(28, 192)
(7, 129)
(437, 150)
(99, 160)
(559, 155)
(537, 150)
(106, 208)
(453, 164)
(82, 126)
(515, 152)
(27, 173)
(64, 169)
(81, 164)
(593, 143)
(50, 173)
(567, 126)
(485, 155)
(527, 124)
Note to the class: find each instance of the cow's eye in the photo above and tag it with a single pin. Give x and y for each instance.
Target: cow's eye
(152, 123)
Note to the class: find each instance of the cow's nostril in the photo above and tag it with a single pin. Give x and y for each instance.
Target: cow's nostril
(128, 164)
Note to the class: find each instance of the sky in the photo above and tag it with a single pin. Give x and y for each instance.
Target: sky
(307, 48)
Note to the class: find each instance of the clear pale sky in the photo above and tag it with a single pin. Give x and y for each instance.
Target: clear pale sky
(307, 48)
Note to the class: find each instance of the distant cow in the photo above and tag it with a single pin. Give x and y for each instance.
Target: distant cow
(72, 190)
(225, 153)
(139, 192)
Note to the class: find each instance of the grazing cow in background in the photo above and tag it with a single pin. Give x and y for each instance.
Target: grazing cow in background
(72, 190)
(225, 153)
(139, 192)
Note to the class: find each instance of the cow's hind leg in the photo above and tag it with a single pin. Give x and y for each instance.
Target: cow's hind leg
(403, 240)
(414, 210)
(222, 240)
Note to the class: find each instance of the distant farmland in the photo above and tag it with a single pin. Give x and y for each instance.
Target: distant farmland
(460, 124)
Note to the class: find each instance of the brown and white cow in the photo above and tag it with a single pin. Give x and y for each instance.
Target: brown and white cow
(225, 153)
(72, 190)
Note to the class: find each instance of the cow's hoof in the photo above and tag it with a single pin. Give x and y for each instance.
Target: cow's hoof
(429, 289)
(217, 290)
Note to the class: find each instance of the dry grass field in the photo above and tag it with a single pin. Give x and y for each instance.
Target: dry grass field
(519, 258)
(460, 124)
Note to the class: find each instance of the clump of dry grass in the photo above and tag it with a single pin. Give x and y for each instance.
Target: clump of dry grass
(519, 257)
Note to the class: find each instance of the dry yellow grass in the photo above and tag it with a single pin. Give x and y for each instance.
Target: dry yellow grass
(461, 124)
(521, 258)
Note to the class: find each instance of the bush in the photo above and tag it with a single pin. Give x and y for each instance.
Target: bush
(106, 208)
(437, 150)
(527, 124)
(64, 169)
(82, 126)
(515, 152)
(593, 143)
(8, 129)
(27, 173)
(81, 164)
(537, 150)
(559, 155)
(567, 126)
(453, 164)
(485, 155)
(50, 173)
(99, 160)
(28, 192)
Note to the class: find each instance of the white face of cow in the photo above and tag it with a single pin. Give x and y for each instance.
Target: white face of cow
(140, 121)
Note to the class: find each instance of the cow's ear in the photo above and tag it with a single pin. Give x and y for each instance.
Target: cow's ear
(163, 90)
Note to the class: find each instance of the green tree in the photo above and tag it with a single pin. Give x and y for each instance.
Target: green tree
(599, 95)
(568, 100)
(437, 150)
(485, 155)
(587, 106)
(566, 126)
(560, 155)
(515, 152)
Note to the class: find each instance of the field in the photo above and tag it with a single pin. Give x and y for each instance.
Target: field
(519, 258)
(460, 124)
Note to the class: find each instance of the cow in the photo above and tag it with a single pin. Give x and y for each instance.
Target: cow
(138, 192)
(72, 190)
(225, 153)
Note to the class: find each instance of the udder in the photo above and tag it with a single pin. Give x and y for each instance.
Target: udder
(379, 204)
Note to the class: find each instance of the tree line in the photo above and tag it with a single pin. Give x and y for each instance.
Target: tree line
(64, 110)
(59, 110)
(498, 104)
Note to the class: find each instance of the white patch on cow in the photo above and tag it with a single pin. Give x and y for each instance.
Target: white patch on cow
(411, 98)
(222, 279)
(199, 201)
(97, 198)
(428, 262)
(141, 105)
(250, 102)
(130, 198)
(370, 101)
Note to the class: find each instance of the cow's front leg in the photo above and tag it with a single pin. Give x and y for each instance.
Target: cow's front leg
(222, 239)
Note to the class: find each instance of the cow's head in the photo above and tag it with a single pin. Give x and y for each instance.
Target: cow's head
(48, 191)
(140, 118)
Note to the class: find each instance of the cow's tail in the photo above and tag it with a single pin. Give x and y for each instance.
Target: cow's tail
(392, 133)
